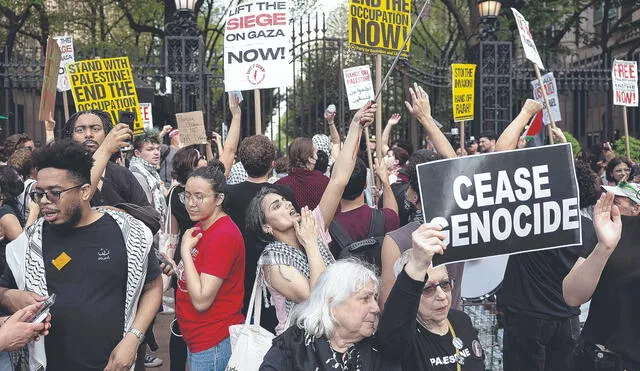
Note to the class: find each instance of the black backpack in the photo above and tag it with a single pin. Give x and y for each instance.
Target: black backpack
(369, 249)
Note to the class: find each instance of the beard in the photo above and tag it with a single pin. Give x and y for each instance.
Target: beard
(75, 214)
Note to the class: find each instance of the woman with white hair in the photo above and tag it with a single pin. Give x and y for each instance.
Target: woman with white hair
(334, 328)
(419, 328)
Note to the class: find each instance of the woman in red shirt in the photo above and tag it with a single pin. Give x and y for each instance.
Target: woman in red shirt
(211, 274)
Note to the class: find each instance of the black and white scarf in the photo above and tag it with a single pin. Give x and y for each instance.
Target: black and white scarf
(280, 253)
(152, 177)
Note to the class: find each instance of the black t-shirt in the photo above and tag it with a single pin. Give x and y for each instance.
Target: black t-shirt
(614, 318)
(119, 185)
(418, 348)
(236, 203)
(88, 316)
(532, 283)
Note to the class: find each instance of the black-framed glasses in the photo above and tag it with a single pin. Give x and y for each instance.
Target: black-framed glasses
(52, 195)
(197, 198)
(445, 285)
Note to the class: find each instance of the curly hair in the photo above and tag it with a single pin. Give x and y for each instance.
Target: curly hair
(107, 124)
(184, 162)
(588, 184)
(22, 161)
(13, 143)
(256, 153)
(66, 154)
(612, 164)
(322, 163)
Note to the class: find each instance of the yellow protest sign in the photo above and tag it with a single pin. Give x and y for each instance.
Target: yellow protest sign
(379, 26)
(464, 77)
(107, 85)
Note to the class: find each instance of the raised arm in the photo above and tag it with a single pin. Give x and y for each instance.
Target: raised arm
(116, 139)
(578, 286)
(343, 167)
(511, 134)
(233, 136)
(388, 198)
(333, 132)
(49, 129)
(420, 108)
(386, 133)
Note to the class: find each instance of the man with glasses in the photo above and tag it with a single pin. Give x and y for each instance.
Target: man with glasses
(117, 185)
(98, 262)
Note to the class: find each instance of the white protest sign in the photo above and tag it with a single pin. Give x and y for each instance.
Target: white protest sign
(146, 115)
(625, 83)
(66, 49)
(530, 50)
(256, 46)
(359, 85)
(552, 94)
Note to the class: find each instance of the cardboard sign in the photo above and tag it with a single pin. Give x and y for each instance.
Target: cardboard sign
(502, 203)
(529, 47)
(359, 85)
(107, 85)
(50, 80)
(625, 83)
(463, 82)
(257, 45)
(146, 115)
(191, 126)
(66, 48)
(379, 26)
(552, 94)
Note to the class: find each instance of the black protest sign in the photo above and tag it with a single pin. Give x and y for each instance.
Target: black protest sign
(503, 202)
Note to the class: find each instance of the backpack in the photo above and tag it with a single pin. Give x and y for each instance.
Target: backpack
(369, 249)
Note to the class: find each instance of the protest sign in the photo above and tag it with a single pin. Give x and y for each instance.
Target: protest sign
(528, 45)
(107, 85)
(49, 81)
(146, 115)
(379, 26)
(66, 49)
(551, 89)
(503, 202)
(191, 126)
(256, 46)
(359, 86)
(625, 83)
(463, 77)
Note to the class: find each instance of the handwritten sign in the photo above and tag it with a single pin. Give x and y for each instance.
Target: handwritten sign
(256, 46)
(379, 26)
(551, 89)
(50, 80)
(106, 85)
(191, 126)
(528, 45)
(625, 83)
(463, 77)
(359, 85)
(146, 115)
(66, 49)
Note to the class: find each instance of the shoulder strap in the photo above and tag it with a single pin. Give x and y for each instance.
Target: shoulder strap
(339, 235)
(378, 220)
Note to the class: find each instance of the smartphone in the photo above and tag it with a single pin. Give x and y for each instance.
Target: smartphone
(237, 94)
(127, 117)
(44, 310)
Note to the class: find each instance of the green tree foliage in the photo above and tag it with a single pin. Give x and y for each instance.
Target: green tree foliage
(634, 147)
(576, 148)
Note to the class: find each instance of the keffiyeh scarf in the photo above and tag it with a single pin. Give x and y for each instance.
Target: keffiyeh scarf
(280, 253)
(152, 177)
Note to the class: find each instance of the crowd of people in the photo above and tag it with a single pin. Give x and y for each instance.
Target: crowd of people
(118, 226)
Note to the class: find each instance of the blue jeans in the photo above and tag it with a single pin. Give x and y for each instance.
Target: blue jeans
(212, 359)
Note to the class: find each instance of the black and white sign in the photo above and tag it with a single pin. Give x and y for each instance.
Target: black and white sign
(503, 202)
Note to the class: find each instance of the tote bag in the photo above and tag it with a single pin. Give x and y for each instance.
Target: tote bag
(250, 342)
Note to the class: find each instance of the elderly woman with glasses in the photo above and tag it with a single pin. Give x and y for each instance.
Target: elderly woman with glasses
(334, 329)
(438, 338)
(211, 273)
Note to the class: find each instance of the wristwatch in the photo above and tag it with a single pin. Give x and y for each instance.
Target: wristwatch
(137, 334)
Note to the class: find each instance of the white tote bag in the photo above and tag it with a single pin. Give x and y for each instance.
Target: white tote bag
(250, 342)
